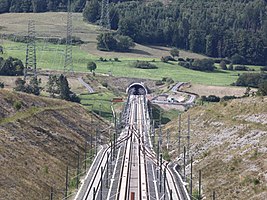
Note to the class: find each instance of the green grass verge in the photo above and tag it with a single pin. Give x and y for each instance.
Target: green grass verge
(51, 56)
(100, 103)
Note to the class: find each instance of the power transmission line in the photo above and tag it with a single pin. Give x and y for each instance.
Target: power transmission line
(68, 66)
(105, 19)
(31, 50)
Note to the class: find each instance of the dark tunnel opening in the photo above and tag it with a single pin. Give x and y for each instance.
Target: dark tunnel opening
(137, 89)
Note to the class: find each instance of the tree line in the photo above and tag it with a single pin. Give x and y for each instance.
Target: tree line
(214, 28)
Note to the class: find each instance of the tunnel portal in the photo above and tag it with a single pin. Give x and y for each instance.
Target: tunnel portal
(136, 89)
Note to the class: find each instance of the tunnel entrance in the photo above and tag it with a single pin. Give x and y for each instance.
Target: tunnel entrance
(136, 89)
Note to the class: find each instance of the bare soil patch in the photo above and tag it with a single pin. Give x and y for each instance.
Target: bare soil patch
(220, 91)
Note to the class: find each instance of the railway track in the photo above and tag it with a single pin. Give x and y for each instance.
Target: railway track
(133, 175)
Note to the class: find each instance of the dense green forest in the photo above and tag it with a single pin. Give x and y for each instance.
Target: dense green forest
(212, 27)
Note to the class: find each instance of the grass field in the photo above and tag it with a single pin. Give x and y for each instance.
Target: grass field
(51, 56)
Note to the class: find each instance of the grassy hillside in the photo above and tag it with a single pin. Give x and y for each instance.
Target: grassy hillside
(228, 144)
(39, 138)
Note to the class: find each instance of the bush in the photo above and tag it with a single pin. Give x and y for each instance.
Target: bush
(167, 58)
(114, 42)
(200, 65)
(17, 105)
(144, 65)
(181, 59)
(169, 80)
(159, 82)
(210, 98)
(116, 60)
(105, 84)
(231, 67)
(237, 59)
(251, 79)
(11, 67)
(263, 88)
(223, 65)
(241, 68)
(264, 68)
(227, 98)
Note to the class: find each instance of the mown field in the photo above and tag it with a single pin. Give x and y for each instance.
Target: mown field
(50, 56)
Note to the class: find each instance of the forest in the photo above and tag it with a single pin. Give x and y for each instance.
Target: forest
(220, 29)
(214, 28)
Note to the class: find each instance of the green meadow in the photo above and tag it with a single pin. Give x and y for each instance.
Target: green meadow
(51, 57)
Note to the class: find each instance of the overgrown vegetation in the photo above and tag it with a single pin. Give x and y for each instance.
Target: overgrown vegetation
(59, 85)
(114, 42)
(32, 87)
(200, 65)
(257, 80)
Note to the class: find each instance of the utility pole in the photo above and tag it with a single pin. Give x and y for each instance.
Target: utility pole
(179, 134)
(168, 138)
(51, 193)
(78, 170)
(85, 155)
(104, 18)
(67, 181)
(191, 177)
(188, 137)
(184, 163)
(199, 185)
(31, 50)
(68, 66)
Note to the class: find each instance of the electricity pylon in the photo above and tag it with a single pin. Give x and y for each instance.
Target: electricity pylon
(31, 50)
(68, 66)
(104, 19)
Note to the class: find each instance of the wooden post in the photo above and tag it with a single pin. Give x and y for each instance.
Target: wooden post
(199, 185)
(67, 181)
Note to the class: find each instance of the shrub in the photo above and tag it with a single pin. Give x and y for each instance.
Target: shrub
(237, 59)
(105, 84)
(231, 67)
(167, 58)
(251, 79)
(169, 80)
(223, 65)
(17, 105)
(144, 65)
(226, 98)
(241, 68)
(114, 42)
(159, 82)
(116, 60)
(263, 88)
(174, 52)
(210, 98)
(181, 59)
(264, 68)
(2, 84)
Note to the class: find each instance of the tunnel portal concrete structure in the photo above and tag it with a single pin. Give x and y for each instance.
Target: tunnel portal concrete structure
(137, 89)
